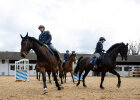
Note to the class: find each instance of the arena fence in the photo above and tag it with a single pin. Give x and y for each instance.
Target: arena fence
(134, 72)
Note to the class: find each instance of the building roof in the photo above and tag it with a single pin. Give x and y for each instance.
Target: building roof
(16, 56)
(32, 56)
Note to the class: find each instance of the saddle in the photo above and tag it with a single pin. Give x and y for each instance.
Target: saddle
(63, 64)
(91, 60)
(50, 50)
(98, 61)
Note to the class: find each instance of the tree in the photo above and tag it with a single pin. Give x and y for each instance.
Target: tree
(134, 48)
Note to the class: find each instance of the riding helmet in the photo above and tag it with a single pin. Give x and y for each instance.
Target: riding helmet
(67, 51)
(41, 26)
(102, 38)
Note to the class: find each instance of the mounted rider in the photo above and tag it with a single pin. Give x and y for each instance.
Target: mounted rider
(45, 37)
(66, 56)
(99, 50)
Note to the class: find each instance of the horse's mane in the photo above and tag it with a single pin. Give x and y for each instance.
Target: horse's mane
(32, 38)
(114, 46)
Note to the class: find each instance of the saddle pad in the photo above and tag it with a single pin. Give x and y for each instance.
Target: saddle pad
(91, 60)
(50, 50)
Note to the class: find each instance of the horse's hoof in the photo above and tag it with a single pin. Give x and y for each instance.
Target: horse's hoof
(62, 87)
(45, 90)
(85, 86)
(102, 88)
(77, 84)
(59, 88)
(118, 86)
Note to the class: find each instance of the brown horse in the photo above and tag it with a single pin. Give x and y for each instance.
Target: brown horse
(45, 59)
(67, 66)
(38, 72)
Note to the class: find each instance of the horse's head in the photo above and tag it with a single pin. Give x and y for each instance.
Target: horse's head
(25, 46)
(73, 57)
(123, 51)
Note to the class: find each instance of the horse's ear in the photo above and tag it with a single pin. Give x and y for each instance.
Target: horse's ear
(21, 36)
(127, 44)
(26, 35)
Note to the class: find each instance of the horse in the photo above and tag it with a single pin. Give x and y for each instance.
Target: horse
(46, 60)
(107, 65)
(67, 66)
(38, 72)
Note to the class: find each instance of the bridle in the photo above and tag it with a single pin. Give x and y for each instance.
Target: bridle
(28, 47)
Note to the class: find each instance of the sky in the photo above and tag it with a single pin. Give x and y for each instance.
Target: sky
(74, 24)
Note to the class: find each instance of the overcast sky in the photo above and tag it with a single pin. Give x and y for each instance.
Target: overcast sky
(74, 24)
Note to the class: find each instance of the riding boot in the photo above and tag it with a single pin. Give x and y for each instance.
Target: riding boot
(58, 57)
(63, 65)
(95, 64)
(55, 51)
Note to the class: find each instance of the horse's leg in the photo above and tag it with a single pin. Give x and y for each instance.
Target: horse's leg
(60, 72)
(117, 74)
(49, 75)
(44, 81)
(61, 77)
(84, 76)
(56, 81)
(102, 79)
(36, 75)
(39, 76)
(65, 74)
(72, 76)
(80, 73)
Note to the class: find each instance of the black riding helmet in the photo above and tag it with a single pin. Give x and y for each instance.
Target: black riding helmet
(67, 51)
(41, 26)
(102, 38)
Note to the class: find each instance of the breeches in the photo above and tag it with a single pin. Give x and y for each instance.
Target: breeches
(97, 55)
(52, 48)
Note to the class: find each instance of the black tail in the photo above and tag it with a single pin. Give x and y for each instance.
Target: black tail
(35, 67)
(77, 67)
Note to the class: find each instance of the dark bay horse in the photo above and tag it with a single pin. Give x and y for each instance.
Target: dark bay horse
(45, 59)
(38, 72)
(108, 64)
(68, 66)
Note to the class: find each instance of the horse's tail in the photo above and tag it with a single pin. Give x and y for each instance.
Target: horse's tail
(77, 67)
(35, 67)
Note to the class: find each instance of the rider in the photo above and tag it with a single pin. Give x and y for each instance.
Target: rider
(73, 52)
(66, 56)
(99, 50)
(45, 37)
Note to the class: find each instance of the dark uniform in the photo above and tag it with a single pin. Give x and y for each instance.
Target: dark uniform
(98, 52)
(66, 56)
(45, 37)
(99, 48)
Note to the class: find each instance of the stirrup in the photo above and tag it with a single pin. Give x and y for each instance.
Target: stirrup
(95, 67)
(60, 60)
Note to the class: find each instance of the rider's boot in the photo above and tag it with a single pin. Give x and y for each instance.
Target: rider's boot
(95, 64)
(58, 57)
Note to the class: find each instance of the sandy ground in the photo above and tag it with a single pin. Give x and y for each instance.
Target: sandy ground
(32, 90)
